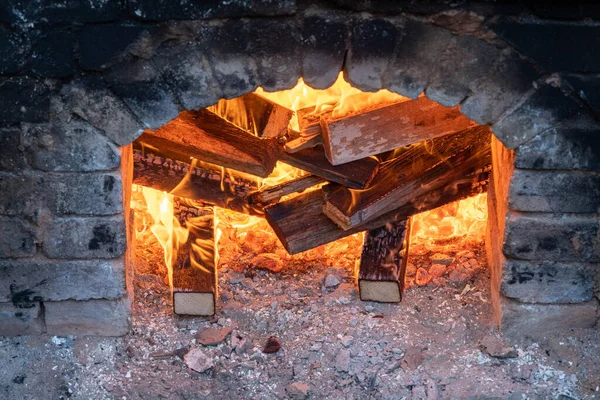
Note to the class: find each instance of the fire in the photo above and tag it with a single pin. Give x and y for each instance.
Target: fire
(460, 222)
(339, 100)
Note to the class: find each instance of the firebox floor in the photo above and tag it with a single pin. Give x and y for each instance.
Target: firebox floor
(332, 346)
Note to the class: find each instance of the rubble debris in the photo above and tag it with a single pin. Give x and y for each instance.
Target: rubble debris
(297, 390)
(212, 336)
(495, 347)
(198, 361)
(413, 357)
(272, 345)
(268, 261)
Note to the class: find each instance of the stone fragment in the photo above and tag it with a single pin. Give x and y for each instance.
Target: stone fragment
(331, 282)
(346, 340)
(494, 347)
(443, 259)
(297, 390)
(272, 345)
(411, 270)
(437, 270)
(240, 343)
(212, 336)
(269, 261)
(413, 357)
(198, 361)
(342, 361)
(20, 320)
(91, 317)
(422, 277)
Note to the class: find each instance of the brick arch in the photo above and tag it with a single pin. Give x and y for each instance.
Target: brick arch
(190, 65)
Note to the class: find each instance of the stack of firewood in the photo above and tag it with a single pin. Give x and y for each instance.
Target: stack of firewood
(369, 171)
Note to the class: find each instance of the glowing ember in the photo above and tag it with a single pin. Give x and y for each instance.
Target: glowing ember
(460, 223)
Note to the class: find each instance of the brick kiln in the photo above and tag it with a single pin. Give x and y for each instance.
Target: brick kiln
(93, 99)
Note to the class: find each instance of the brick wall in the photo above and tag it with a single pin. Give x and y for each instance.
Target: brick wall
(77, 81)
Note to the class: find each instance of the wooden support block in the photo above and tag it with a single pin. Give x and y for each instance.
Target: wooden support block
(301, 225)
(204, 135)
(272, 194)
(195, 289)
(256, 114)
(356, 174)
(388, 127)
(198, 181)
(383, 262)
(417, 170)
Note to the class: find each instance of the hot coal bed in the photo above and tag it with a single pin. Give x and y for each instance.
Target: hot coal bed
(79, 84)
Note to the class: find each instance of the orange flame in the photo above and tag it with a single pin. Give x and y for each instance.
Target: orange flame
(462, 221)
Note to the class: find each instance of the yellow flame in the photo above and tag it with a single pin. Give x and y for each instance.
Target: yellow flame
(339, 100)
(460, 221)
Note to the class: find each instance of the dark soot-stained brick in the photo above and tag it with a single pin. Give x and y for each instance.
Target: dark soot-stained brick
(159, 10)
(23, 100)
(53, 55)
(555, 46)
(99, 44)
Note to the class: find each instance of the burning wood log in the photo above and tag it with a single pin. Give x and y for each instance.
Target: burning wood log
(204, 135)
(199, 181)
(271, 194)
(255, 114)
(301, 225)
(415, 171)
(383, 262)
(388, 127)
(195, 287)
(356, 174)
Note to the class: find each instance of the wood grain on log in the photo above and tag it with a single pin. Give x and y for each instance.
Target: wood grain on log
(417, 170)
(195, 287)
(256, 114)
(206, 136)
(198, 181)
(301, 225)
(356, 174)
(383, 262)
(388, 127)
(271, 194)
